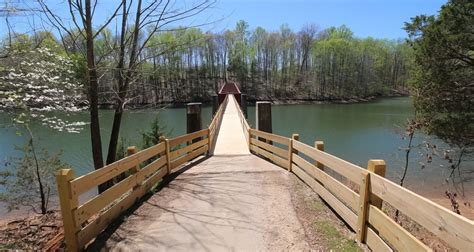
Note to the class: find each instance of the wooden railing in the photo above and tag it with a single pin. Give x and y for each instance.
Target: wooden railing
(83, 222)
(215, 124)
(243, 121)
(362, 210)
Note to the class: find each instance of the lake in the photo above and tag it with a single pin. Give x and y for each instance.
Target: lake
(354, 132)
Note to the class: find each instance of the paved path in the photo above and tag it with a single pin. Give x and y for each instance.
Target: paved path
(231, 139)
(232, 201)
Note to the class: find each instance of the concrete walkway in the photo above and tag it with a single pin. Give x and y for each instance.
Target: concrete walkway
(224, 203)
(231, 138)
(232, 201)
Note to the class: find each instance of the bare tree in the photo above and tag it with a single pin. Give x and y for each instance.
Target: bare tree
(140, 21)
(82, 14)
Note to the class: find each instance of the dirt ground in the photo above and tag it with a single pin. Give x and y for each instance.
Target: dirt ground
(234, 203)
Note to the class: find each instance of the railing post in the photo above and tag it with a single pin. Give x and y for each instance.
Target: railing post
(209, 143)
(167, 153)
(364, 194)
(320, 146)
(130, 151)
(294, 137)
(378, 167)
(249, 138)
(68, 204)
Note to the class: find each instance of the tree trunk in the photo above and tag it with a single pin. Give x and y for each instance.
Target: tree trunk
(93, 91)
(123, 88)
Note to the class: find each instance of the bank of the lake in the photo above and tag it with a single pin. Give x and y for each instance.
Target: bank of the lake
(355, 132)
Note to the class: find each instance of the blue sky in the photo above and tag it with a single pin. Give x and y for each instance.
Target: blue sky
(375, 18)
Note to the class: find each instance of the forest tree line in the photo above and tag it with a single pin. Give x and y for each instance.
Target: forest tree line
(188, 64)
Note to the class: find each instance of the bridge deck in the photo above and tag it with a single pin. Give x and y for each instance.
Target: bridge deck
(230, 201)
(231, 139)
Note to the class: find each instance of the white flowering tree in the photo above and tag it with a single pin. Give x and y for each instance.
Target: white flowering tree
(38, 81)
(33, 83)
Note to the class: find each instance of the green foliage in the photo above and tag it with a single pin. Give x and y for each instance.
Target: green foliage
(154, 134)
(442, 79)
(122, 145)
(19, 183)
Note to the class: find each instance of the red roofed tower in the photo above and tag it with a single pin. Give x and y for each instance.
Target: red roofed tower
(229, 88)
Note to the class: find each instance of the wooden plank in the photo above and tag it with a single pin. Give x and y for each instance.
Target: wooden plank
(378, 167)
(364, 194)
(275, 150)
(455, 229)
(167, 153)
(344, 193)
(341, 209)
(191, 147)
(86, 182)
(186, 158)
(94, 228)
(151, 168)
(319, 145)
(68, 204)
(290, 155)
(376, 243)
(269, 136)
(344, 168)
(275, 159)
(187, 137)
(94, 205)
(396, 235)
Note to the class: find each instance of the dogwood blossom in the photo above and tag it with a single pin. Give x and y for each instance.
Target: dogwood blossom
(38, 81)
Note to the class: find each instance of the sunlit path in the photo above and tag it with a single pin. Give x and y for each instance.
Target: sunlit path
(231, 139)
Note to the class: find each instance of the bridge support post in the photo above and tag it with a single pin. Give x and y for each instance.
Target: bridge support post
(243, 104)
(193, 118)
(263, 114)
(215, 104)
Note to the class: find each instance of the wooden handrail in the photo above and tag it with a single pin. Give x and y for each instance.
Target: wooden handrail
(358, 209)
(83, 222)
(215, 124)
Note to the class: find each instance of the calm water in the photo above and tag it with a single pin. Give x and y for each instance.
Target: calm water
(356, 132)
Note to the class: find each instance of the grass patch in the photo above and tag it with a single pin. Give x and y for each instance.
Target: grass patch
(334, 239)
(318, 206)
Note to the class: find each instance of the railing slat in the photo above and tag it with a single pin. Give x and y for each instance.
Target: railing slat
(346, 169)
(455, 229)
(176, 163)
(275, 150)
(341, 209)
(182, 139)
(86, 182)
(274, 158)
(376, 243)
(401, 239)
(94, 228)
(349, 197)
(269, 136)
(191, 147)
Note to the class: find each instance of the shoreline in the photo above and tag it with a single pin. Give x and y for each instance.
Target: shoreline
(291, 101)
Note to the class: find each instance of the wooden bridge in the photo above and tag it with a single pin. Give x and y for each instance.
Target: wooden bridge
(222, 193)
